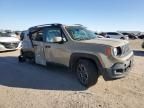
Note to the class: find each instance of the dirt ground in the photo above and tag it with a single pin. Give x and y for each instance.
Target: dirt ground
(25, 85)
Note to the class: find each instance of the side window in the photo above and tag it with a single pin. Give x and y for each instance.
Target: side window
(51, 33)
(37, 36)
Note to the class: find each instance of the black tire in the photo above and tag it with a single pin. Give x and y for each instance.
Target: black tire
(87, 72)
(122, 38)
(134, 37)
(143, 45)
(21, 59)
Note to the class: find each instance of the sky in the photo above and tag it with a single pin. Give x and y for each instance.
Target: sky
(97, 15)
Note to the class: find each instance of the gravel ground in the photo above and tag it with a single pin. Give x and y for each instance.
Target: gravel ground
(33, 86)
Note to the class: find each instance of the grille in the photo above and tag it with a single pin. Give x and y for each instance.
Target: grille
(10, 45)
(125, 49)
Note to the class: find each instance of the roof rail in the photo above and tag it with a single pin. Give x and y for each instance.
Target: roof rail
(54, 24)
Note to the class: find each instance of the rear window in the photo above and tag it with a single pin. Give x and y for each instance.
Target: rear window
(4, 34)
(125, 33)
(112, 33)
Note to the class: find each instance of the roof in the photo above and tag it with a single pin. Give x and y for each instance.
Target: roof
(53, 24)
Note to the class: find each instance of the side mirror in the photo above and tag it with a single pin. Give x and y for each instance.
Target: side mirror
(57, 39)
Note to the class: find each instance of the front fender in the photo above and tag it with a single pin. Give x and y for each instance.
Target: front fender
(76, 56)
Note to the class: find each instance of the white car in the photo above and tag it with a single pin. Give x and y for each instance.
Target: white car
(8, 43)
(100, 36)
(116, 35)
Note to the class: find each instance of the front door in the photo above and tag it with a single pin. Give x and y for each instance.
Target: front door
(56, 52)
(37, 38)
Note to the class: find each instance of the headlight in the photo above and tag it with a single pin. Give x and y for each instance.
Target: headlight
(115, 52)
(1, 46)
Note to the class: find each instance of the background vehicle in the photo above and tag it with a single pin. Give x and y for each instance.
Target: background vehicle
(141, 36)
(8, 43)
(130, 35)
(98, 35)
(79, 49)
(115, 35)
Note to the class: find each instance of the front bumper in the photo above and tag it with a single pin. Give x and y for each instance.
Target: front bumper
(118, 70)
(3, 48)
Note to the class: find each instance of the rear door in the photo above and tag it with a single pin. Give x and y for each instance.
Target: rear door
(37, 38)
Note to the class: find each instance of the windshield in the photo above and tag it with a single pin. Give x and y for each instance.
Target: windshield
(4, 34)
(80, 33)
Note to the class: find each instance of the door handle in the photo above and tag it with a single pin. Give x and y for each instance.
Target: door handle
(47, 46)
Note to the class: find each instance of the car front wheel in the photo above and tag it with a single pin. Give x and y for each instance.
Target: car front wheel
(87, 72)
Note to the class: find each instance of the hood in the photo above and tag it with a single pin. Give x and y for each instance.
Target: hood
(106, 41)
(9, 39)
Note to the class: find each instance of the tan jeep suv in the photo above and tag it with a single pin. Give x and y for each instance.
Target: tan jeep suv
(79, 49)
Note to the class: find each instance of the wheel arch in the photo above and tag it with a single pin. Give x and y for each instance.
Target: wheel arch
(75, 57)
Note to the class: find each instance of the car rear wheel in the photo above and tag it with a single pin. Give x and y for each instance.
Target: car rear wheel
(87, 72)
(21, 59)
(122, 38)
(143, 45)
